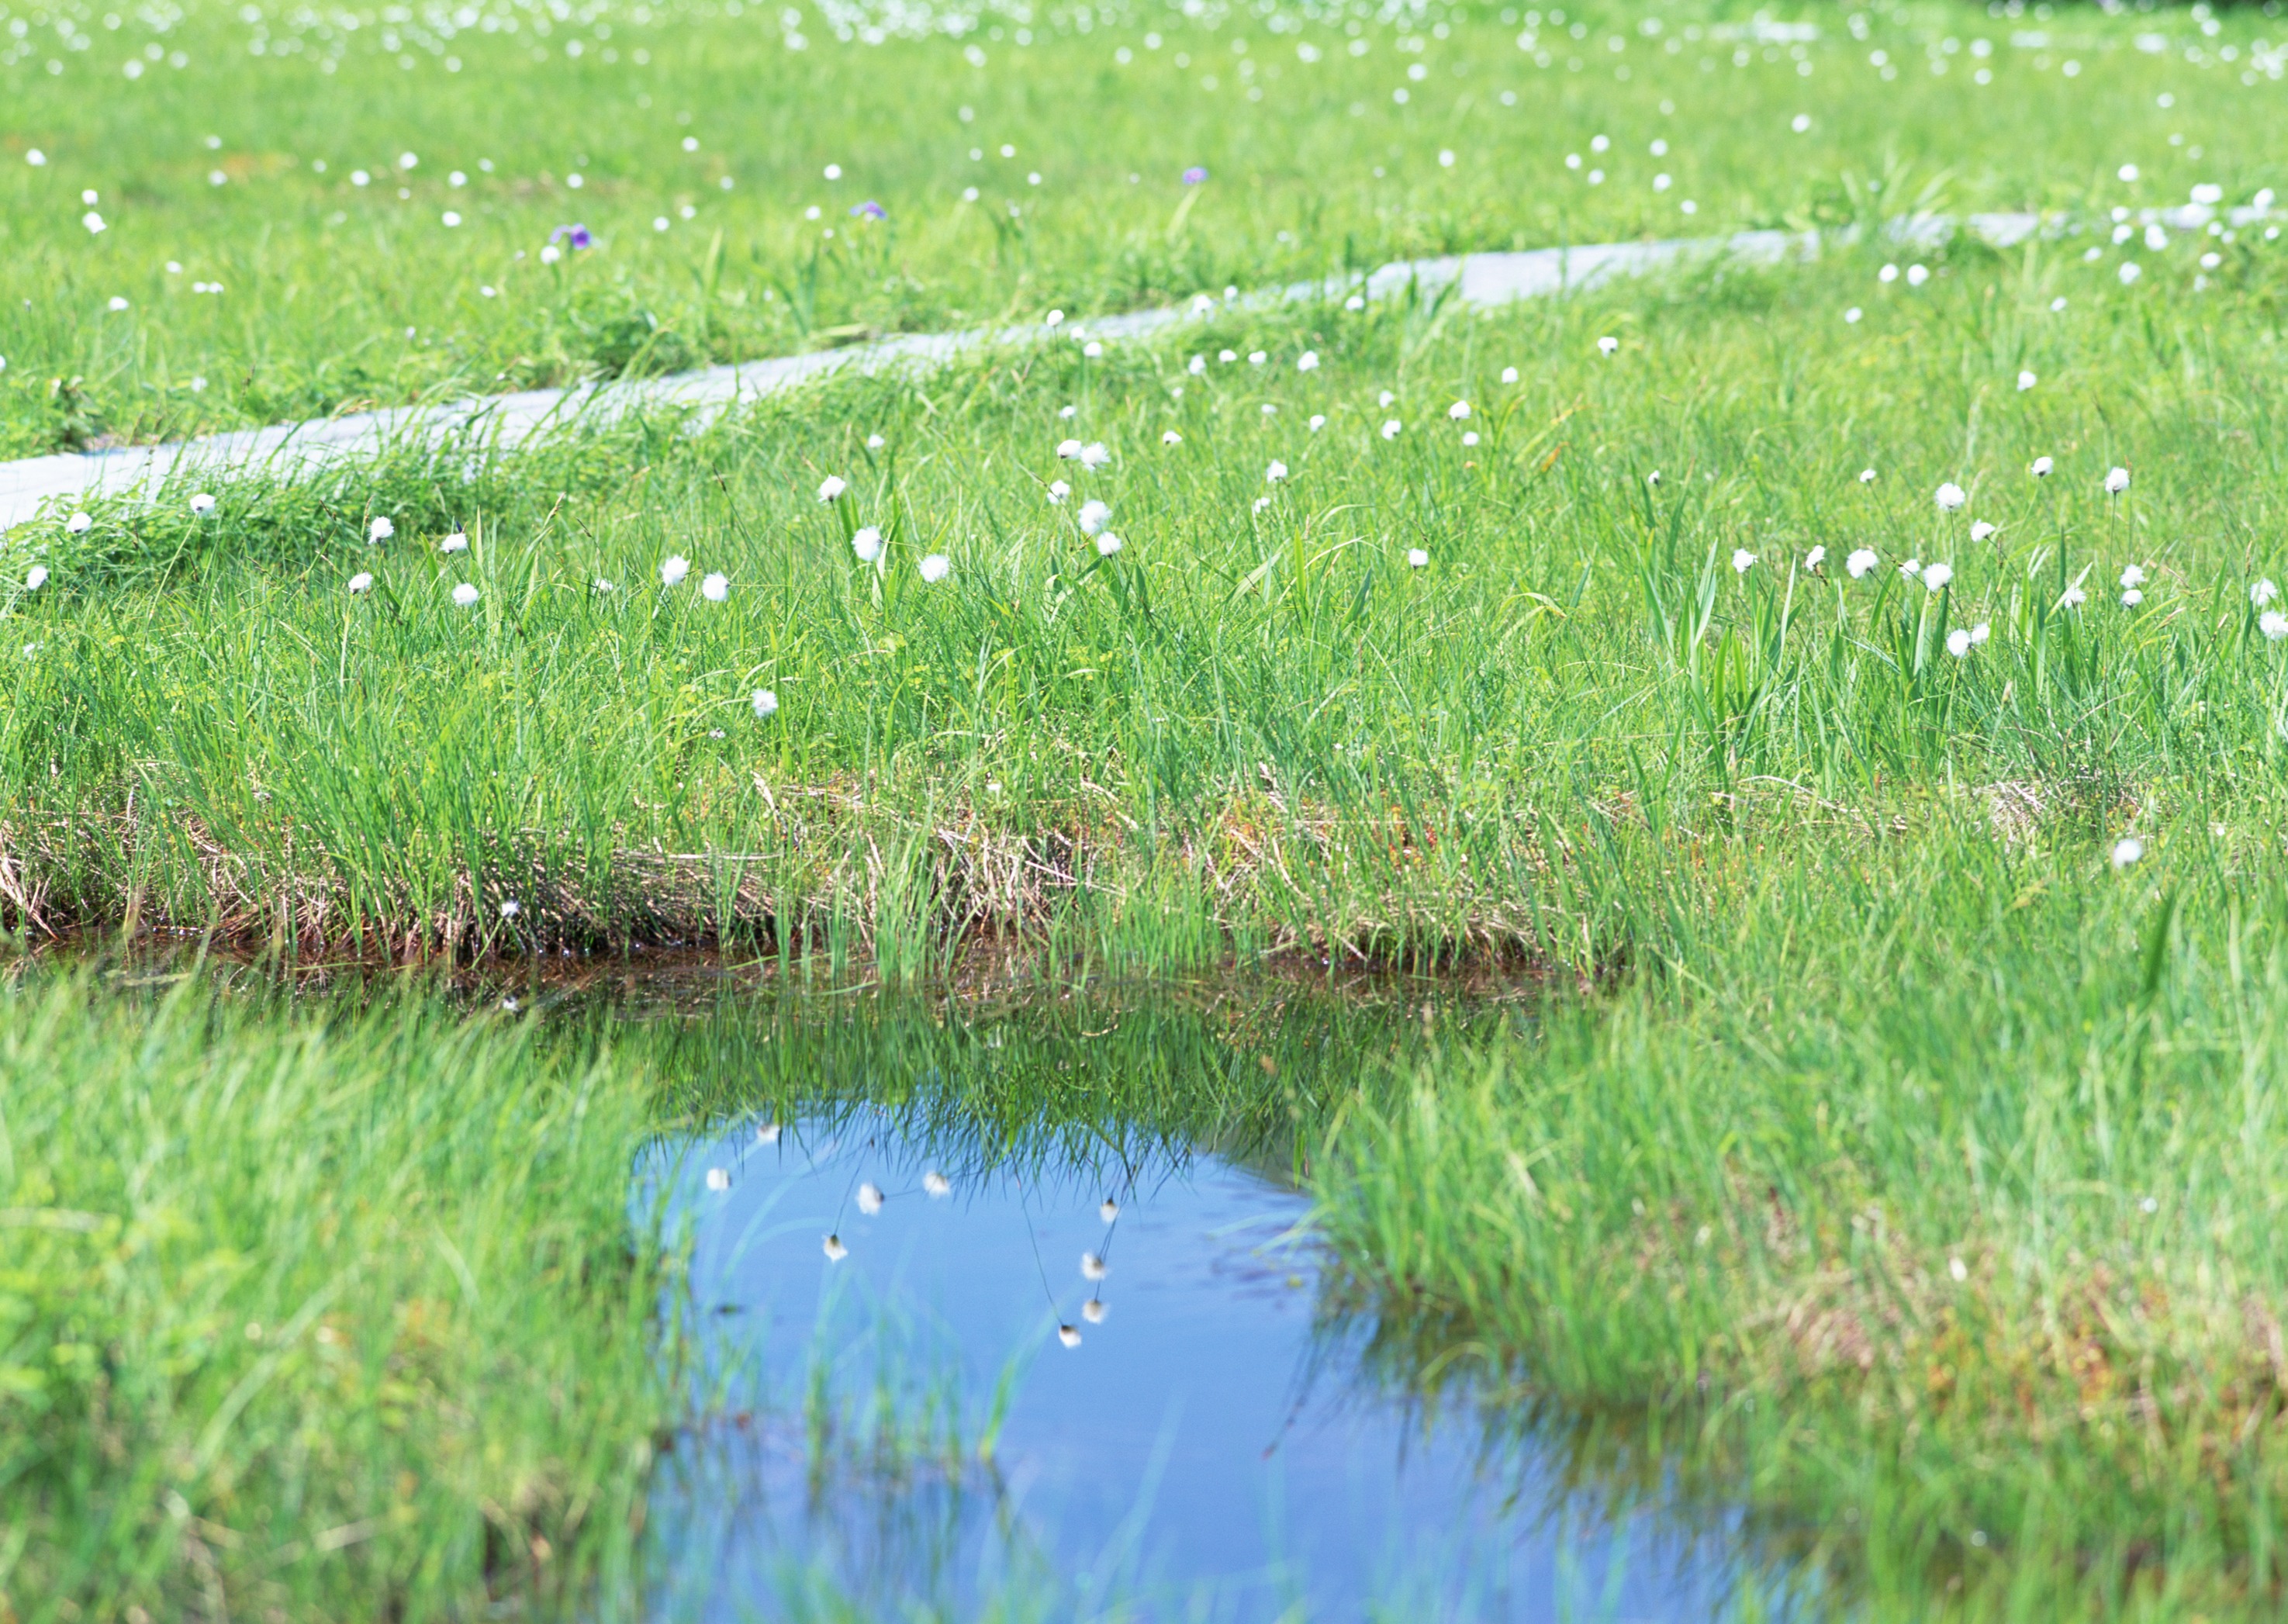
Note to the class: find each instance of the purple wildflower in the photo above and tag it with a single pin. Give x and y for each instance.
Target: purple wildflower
(577, 234)
(870, 210)
(1195, 174)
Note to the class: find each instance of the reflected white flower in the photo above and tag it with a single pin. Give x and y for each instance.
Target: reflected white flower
(1109, 1210)
(361, 583)
(1093, 455)
(1390, 430)
(869, 1199)
(1936, 576)
(832, 487)
(2041, 467)
(381, 530)
(1106, 544)
(1862, 560)
(1608, 345)
(866, 541)
(2116, 480)
(1816, 557)
(202, 504)
(465, 594)
(716, 588)
(1458, 410)
(1094, 515)
(1743, 560)
(2026, 380)
(1276, 471)
(2263, 592)
(673, 572)
(834, 1249)
(1092, 1267)
(937, 1185)
(36, 578)
(2126, 850)
(934, 568)
(2273, 624)
(1057, 491)
(1093, 1311)
(767, 1133)
(458, 542)
(1170, 437)
(766, 704)
(1950, 497)
(1067, 1335)
(1416, 559)
(719, 1178)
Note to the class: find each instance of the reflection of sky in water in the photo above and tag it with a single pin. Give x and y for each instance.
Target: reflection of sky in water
(1181, 1458)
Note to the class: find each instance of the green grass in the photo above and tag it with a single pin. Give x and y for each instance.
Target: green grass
(336, 295)
(1861, 992)
(316, 1315)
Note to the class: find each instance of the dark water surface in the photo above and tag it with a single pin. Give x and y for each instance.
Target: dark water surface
(903, 1433)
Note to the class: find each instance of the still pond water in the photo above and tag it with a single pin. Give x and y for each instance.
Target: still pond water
(1094, 1377)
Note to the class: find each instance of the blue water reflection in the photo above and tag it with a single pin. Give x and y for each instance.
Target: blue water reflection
(903, 1432)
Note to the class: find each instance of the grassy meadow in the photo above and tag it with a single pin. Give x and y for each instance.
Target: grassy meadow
(1849, 697)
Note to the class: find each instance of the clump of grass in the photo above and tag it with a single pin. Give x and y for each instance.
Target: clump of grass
(317, 1313)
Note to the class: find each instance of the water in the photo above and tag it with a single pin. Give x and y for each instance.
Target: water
(902, 1433)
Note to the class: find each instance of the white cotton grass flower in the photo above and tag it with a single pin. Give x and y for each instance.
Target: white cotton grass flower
(1170, 437)
(869, 1198)
(458, 542)
(1092, 1267)
(1256, 358)
(1069, 1335)
(465, 594)
(1509, 375)
(1274, 472)
(1067, 450)
(716, 588)
(834, 1249)
(1057, 491)
(36, 578)
(1391, 429)
(2128, 852)
(1980, 530)
(1911, 568)
(381, 530)
(202, 505)
(1866, 476)
(673, 572)
(1951, 497)
(2131, 599)
(2073, 597)
(2026, 380)
(2273, 624)
(79, 524)
(1067, 414)
(1261, 502)
(361, 584)
(1093, 455)
(766, 704)
(1416, 559)
(1094, 515)
(1743, 560)
(937, 1185)
(1470, 438)
(1108, 544)
(1308, 361)
(1816, 557)
(1935, 576)
(2116, 480)
(1318, 420)
(2134, 576)
(935, 568)
(1460, 411)
(1608, 345)
(831, 487)
(866, 541)
(1197, 366)
(605, 583)
(2041, 466)
(2263, 592)
(1862, 560)
(875, 442)
(1386, 398)
(719, 1178)
(1958, 642)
